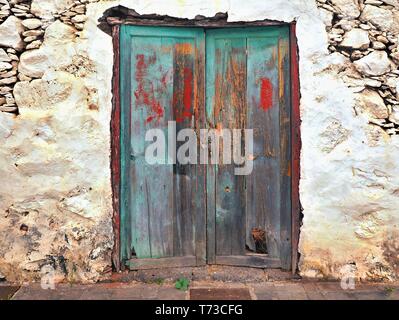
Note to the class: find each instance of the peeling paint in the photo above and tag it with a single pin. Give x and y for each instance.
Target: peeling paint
(61, 138)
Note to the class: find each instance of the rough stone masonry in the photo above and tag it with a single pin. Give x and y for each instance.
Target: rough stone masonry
(55, 102)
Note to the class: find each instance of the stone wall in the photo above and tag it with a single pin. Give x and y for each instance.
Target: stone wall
(364, 34)
(23, 23)
(55, 98)
(55, 200)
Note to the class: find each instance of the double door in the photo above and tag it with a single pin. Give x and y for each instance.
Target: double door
(233, 83)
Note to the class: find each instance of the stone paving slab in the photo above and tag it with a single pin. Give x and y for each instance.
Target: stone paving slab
(172, 294)
(280, 290)
(266, 291)
(220, 294)
(371, 295)
(312, 291)
(290, 291)
(6, 292)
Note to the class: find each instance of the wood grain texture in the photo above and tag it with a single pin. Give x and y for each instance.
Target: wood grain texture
(122, 15)
(184, 174)
(251, 94)
(285, 151)
(199, 199)
(254, 261)
(199, 24)
(263, 185)
(208, 212)
(296, 146)
(166, 202)
(152, 184)
(210, 169)
(125, 103)
(115, 151)
(174, 262)
(229, 112)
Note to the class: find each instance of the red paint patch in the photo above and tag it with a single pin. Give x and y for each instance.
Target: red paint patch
(266, 94)
(141, 67)
(187, 97)
(188, 92)
(156, 108)
(144, 96)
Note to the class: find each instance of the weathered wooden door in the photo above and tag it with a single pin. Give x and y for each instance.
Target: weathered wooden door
(184, 215)
(248, 86)
(163, 205)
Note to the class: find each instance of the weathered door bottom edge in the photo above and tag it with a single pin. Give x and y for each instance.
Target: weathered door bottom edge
(155, 263)
(249, 261)
(191, 261)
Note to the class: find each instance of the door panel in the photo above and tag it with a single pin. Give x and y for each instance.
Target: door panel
(152, 185)
(185, 215)
(229, 112)
(263, 198)
(248, 87)
(162, 204)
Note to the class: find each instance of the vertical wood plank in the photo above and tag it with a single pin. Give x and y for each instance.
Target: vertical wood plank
(194, 187)
(125, 99)
(166, 207)
(226, 103)
(296, 146)
(210, 169)
(263, 185)
(268, 188)
(140, 182)
(115, 150)
(199, 199)
(152, 185)
(183, 114)
(230, 113)
(285, 147)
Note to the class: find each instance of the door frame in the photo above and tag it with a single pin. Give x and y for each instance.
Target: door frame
(115, 126)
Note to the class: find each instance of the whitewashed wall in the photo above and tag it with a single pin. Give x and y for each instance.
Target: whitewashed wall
(55, 191)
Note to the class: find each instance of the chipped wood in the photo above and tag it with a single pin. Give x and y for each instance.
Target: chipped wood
(115, 150)
(296, 146)
(192, 95)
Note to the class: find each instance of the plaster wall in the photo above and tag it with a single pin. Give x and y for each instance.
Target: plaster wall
(55, 186)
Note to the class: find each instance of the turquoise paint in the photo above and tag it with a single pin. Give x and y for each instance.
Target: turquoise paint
(259, 44)
(136, 210)
(147, 206)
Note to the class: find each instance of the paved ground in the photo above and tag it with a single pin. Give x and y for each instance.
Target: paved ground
(276, 290)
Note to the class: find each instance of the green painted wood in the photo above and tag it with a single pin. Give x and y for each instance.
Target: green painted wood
(210, 169)
(206, 212)
(229, 112)
(263, 186)
(152, 185)
(240, 205)
(199, 198)
(161, 84)
(285, 151)
(183, 78)
(125, 85)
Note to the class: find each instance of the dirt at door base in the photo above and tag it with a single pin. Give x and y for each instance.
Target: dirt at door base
(205, 273)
